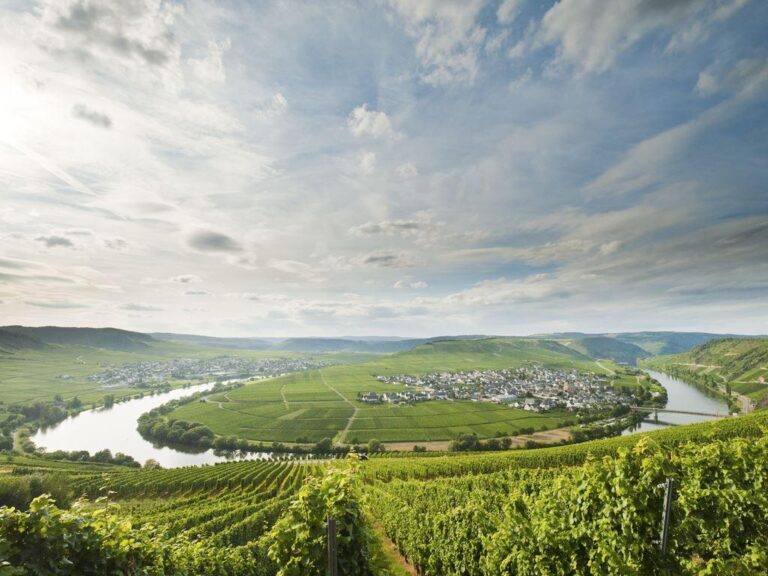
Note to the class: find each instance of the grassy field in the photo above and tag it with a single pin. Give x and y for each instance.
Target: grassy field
(310, 406)
(29, 375)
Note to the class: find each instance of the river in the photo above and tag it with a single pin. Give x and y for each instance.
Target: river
(115, 428)
(682, 396)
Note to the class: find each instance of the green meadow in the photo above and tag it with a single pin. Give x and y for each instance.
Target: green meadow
(310, 406)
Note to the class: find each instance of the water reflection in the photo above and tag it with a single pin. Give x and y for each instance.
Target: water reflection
(115, 429)
(682, 396)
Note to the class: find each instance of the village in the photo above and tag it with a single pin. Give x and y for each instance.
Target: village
(222, 368)
(534, 388)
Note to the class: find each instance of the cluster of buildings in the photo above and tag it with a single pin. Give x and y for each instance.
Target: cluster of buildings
(152, 374)
(532, 387)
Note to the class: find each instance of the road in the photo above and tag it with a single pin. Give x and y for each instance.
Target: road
(746, 403)
(343, 434)
(611, 372)
(285, 401)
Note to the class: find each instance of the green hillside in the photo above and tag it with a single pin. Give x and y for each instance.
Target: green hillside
(109, 338)
(606, 347)
(654, 343)
(739, 363)
(490, 353)
(13, 341)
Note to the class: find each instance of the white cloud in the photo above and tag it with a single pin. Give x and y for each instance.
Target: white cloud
(521, 81)
(134, 36)
(295, 268)
(133, 307)
(421, 224)
(277, 106)
(388, 259)
(508, 11)
(210, 68)
(364, 122)
(448, 38)
(186, 279)
(746, 77)
(416, 285)
(590, 34)
(494, 155)
(366, 163)
(407, 170)
(706, 84)
(494, 43)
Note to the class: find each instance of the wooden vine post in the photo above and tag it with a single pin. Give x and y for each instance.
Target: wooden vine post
(333, 564)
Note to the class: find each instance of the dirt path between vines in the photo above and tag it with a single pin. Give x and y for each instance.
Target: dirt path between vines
(343, 434)
(392, 552)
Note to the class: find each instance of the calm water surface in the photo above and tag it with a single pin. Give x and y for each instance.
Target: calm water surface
(682, 396)
(115, 428)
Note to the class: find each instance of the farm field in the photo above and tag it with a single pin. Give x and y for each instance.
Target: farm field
(30, 375)
(310, 406)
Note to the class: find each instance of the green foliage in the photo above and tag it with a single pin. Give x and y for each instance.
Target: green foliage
(18, 491)
(48, 541)
(456, 464)
(599, 519)
(375, 445)
(299, 537)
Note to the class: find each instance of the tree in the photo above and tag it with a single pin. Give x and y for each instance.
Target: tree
(465, 442)
(109, 400)
(103, 456)
(152, 464)
(324, 446)
(375, 446)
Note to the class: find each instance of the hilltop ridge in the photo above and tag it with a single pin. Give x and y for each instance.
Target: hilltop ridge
(109, 338)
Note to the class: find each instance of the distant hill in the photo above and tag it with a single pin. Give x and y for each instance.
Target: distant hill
(655, 343)
(12, 341)
(501, 351)
(340, 345)
(607, 347)
(371, 345)
(109, 338)
(214, 342)
(670, 342)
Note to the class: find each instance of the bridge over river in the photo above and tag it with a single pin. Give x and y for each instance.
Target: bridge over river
(657, 411)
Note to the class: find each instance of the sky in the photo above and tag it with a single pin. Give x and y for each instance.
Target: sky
(391, 167)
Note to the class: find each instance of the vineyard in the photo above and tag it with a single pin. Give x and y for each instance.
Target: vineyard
(593, 508)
